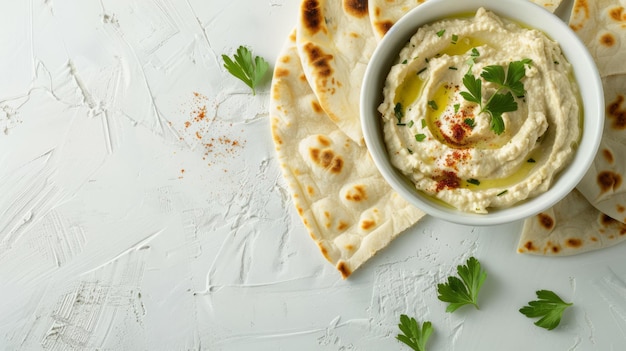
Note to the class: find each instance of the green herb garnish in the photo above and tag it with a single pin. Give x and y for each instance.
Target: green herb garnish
(397, 110)
(421, 70)
(498, 103)
(423, 123)
(441, 33)
(433, 105)
(413, 335)
(469, 122)
(549, 307)
(453, 68)
(455, 38)
(531, 160)
(456, 108)
(473, 181)
(420, 137)
(459, 292)
(243, 67)
(410, 123)
(502, 192)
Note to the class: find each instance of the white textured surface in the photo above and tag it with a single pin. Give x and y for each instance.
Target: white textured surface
(142, 207)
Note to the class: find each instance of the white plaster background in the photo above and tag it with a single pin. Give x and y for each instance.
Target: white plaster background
(142, 207)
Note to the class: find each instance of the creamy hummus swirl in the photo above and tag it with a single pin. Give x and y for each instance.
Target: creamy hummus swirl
(446, 145)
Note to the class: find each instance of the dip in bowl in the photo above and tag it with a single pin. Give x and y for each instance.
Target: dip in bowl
(476, 113)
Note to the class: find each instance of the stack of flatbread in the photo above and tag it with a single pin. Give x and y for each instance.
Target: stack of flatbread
(349, 210)
(593, 216)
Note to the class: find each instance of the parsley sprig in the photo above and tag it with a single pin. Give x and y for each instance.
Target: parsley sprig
(243, 67)
(549, 307)
(499, 102)
(413, 335)
(459, 292)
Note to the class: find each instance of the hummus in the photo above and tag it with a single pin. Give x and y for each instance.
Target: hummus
(460, 127)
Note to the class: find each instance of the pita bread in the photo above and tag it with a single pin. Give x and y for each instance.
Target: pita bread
(335, 42)
(604, 184)
(601, 25)
(572, 226)
(385, 13)
(346, 205)
(593, 216)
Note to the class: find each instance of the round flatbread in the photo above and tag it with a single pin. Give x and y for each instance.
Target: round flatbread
(604, 185)
(344, 202)
(335, 42)
(385, 13)
(572, 226)
(601, 25)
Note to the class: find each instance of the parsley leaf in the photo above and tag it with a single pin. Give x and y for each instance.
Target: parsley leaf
(464, 291)
(474, 89)
(498, 103)
(243, 67)
(549, 306)
(413, 335)
(496, 106)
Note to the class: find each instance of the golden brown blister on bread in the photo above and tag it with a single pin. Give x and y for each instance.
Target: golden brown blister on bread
(347, 207)
(335, 42)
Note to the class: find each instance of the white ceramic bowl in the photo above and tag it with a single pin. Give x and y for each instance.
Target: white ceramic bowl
(521, 11)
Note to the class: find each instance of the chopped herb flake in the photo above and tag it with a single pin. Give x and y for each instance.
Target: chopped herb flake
(502, 193)
(433, 105)
(455, 38)
(453, 68)
(441, 33)
(531, 160)
(473, 181)
(423, 123)
(420, 137)
(410, 124)
(398, 112)
(475, 52)
(404, 62)
(410, 151)
(421, 70)
(469, 122)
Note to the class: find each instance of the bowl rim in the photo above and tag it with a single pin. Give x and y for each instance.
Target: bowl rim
(521, 11)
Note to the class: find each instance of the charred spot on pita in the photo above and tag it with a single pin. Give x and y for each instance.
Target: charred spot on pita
(574, 242)
(319, 59)
(618, 114)
(367, 224)
(357, 194)
(608, 155)
(323, 140)
(316, 107)
(529, 246)
(608, 180)
(606, 220)
(343, 269)
(356, 8)
(311, 15)
(607, 40)
(545, 221)
(617, 14)
(383, 26)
